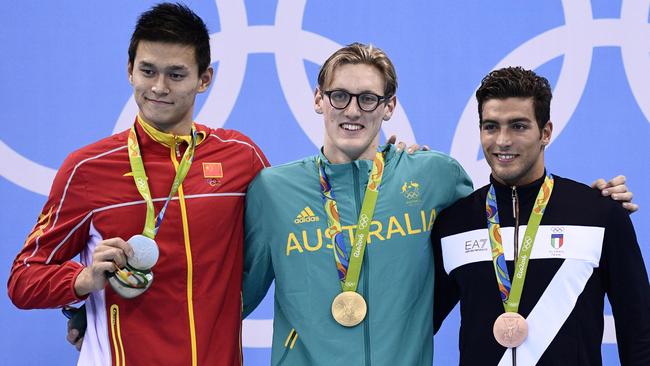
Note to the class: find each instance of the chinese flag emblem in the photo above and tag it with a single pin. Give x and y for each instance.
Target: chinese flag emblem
(212, 170)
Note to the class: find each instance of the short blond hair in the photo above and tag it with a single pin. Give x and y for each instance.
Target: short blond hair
(359, 53)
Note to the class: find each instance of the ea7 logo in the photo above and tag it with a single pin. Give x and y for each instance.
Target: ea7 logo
(477, 245)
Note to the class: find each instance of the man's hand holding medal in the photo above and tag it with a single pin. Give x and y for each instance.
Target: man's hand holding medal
(125, 265)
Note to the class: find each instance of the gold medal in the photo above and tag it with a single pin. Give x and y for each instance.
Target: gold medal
(349, 308)
(510, 330)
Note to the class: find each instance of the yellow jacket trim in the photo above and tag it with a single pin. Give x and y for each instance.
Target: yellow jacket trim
(188, 255)
(167, 139)
(118, 347)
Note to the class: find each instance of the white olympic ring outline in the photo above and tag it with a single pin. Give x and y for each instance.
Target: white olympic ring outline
(575, 40)
(363, 221)
(230, 47)
(286, 38)
(141, 183)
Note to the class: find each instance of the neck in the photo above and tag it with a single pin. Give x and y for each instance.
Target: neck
(183, 128)
(533, 173)
(339, 157)
(521, 182)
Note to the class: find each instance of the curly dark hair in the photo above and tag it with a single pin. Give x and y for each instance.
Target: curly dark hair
(517, 82)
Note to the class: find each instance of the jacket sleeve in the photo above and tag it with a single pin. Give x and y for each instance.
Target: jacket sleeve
(258, 266)
(462, 183)
(43, 273)
(445, 294)
(627, 288)
(258, 160)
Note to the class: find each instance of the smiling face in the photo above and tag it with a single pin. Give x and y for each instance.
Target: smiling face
(351, 133)
(512, 142)
(165, 82)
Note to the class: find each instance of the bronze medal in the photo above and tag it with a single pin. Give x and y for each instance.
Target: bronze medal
(349, 308)
(510, 330)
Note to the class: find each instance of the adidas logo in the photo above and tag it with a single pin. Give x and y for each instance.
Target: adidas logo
(306, 215)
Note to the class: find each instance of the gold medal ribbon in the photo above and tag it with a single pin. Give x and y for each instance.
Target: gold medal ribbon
(349, 266)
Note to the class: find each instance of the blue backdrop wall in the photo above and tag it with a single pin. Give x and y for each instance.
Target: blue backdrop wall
(64, 85)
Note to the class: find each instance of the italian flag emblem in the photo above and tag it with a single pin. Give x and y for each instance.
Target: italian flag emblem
(557, 240)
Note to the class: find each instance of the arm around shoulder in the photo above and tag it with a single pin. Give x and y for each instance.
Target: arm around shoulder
(462, 183)
(628, 288)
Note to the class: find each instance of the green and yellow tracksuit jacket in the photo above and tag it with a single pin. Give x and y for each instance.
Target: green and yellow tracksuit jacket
(286, 241)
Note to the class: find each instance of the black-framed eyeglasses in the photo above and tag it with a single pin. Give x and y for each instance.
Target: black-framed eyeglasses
(367, 102)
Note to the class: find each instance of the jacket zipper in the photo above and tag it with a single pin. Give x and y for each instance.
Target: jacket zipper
(177, 148)
(515, 215)
(188, 256)
(366, 266)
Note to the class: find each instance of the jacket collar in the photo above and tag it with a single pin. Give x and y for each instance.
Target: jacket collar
(163, 138)
(525, 192)
(388, 150)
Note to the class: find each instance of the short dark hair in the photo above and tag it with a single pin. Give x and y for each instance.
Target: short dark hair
(517, 82)
(173, 23)
(359, 53)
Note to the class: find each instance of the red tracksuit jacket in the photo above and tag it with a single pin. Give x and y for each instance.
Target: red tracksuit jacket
(191, 314)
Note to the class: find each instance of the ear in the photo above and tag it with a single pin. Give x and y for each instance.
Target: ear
(205, 79)
(129, 71)
(389, 108)
(547, 131)
(318, 101)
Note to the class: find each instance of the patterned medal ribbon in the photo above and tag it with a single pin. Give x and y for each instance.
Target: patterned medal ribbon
(152, 222)
(349, 265)
(511, 291)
